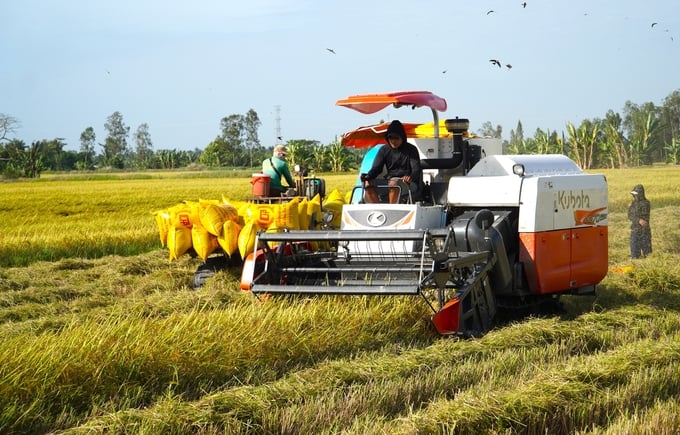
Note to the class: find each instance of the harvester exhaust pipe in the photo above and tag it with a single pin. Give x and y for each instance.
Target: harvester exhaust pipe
(457, 127)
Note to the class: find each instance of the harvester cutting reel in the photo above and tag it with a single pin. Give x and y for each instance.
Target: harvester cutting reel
(451, 268)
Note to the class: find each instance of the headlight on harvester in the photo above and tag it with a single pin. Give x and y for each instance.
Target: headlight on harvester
(518, 169)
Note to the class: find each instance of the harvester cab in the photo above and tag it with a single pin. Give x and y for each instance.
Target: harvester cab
(492, 231)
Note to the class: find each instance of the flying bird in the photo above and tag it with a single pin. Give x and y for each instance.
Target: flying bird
(444, 72)
(654, 24)
(495, 62)
(508, 65)
(524, 5)
(331, 50)
(490, 11)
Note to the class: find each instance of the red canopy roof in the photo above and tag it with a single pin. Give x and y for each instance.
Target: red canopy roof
(371, 103)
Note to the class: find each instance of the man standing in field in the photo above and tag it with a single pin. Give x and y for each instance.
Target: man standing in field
(640, 231)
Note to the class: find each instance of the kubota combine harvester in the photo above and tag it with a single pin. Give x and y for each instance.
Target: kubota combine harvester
(490, 232)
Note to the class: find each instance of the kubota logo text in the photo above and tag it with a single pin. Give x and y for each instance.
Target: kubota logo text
(567, 200)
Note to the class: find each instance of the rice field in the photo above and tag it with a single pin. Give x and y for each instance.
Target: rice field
(102, 333)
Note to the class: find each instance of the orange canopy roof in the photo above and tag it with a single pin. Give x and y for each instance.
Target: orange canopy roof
(368, 136)
(371, 103)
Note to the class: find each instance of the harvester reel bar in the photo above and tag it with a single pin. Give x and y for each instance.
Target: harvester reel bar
(344, 262)
(362, 262)
(341, 235)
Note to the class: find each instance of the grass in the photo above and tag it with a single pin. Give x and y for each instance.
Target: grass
(101, 333)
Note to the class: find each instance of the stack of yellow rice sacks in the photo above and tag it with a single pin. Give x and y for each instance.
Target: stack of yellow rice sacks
(208, 225)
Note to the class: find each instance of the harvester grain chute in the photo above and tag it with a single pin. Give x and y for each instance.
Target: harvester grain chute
(491, 231)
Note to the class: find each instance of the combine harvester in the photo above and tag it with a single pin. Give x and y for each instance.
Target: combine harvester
(491, 231)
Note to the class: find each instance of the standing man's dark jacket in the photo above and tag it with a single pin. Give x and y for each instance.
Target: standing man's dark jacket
(639, 208)
(405, 160)
(640, 229)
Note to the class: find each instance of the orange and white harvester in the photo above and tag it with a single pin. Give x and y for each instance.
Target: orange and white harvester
(491, 231)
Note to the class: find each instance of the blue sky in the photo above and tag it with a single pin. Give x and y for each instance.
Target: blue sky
(181, 67)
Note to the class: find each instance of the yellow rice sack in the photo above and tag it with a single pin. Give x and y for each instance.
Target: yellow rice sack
(162, 218)
(179, 241)
(231, 211)
(334, 206)
(246, 238)
(314, 211)
(248, 212)
(233, 202)
(286, 215)
(212, 217)
(228, 240)
(263, 214)
(204, 243)
(303, 217)
(231, 207)
(335, 195)
(185, 214)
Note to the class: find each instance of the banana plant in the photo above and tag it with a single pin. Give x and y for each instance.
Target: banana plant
(583, 141)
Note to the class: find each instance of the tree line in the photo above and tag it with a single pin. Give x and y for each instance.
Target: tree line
(237, 146)
(640, 135)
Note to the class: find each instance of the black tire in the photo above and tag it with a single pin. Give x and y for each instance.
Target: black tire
(208, 269)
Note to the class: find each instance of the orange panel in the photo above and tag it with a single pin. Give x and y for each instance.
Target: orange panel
(547, 260)
(564, 259)
(589, 255)
(527, 253)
